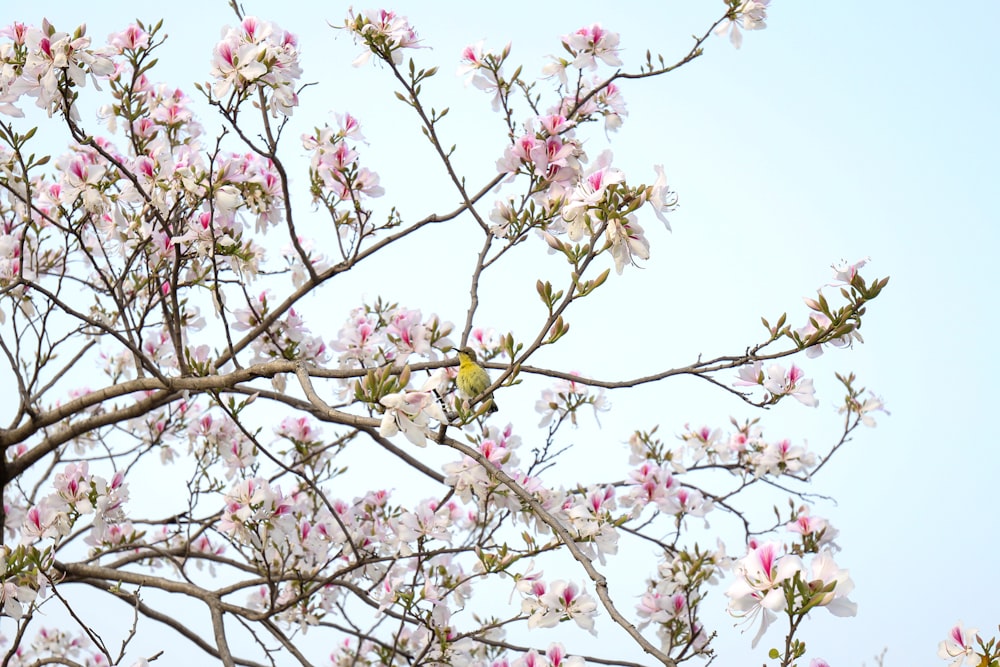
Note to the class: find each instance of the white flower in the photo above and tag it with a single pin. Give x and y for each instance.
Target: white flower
(409, 411)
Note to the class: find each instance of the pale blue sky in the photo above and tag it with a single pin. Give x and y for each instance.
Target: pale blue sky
(843, 130)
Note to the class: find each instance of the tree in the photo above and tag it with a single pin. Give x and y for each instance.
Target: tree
(178, 267)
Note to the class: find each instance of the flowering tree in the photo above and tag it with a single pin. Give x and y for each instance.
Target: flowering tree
(154, 321)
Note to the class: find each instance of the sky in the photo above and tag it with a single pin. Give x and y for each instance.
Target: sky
(843, 130)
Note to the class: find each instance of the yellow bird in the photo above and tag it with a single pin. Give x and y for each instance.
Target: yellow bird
(472, 378)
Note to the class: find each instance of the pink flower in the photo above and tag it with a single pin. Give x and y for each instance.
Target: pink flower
(410, 411)
(556, 654)
(588, 194)
(844, 272)
(42, 521)
(758, 586)
(783, 457)
(791, 383)
(131, 38)
(564, 600)
(749, 15)
(383, 32)
(12, 596)
(816, 527)
(750, 375)
(958, 646)
(590, 44)
(298, 429)
(258, 54)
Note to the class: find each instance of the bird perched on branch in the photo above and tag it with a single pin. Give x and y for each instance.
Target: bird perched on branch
(472, 378)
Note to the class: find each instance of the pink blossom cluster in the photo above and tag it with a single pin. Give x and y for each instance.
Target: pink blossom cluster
(14, 595)
(257, 57)
(600, 201)
(770, 580)
(661, 481)
(337, 176)
(215, 437)
(591, 516)
(779, 382)
(745, 451)
(550, 603)
(565, 398)
(163, 156)
(819, 319)
(550, 155)
(289, 535)
(650, 484)
(383, 33)
(577, 202)
(287, 337)
(77, 494)
(673, 596)
(410, 411)
(588, 514)
(483, 69)
(388, 333)
(353, 652)
(45, 63)
(55, 645)
(592, 43)
(593, 96)
(471, 480)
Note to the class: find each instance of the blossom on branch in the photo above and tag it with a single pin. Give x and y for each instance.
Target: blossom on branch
(864, 409)
(746, 15)
(758, 589)
(411, 411)
(778, 382)
(384, 32)
(258, 55)
(593, 43)
(958, 647)
(560, 601)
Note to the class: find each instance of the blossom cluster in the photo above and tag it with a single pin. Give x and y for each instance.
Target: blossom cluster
(257, 56)
(45, 63)
(157, 196)
(769, 580)
(565, 398)
(745, 451)
(79, 493)
(387, 333)
(580, 203)
(383, 33)
(573, 200)
(55, 645)
(288, 337)
(337, 177)
(410, 411)
(589, 514)
(819, 319)
(550, 604)
(674, 594)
